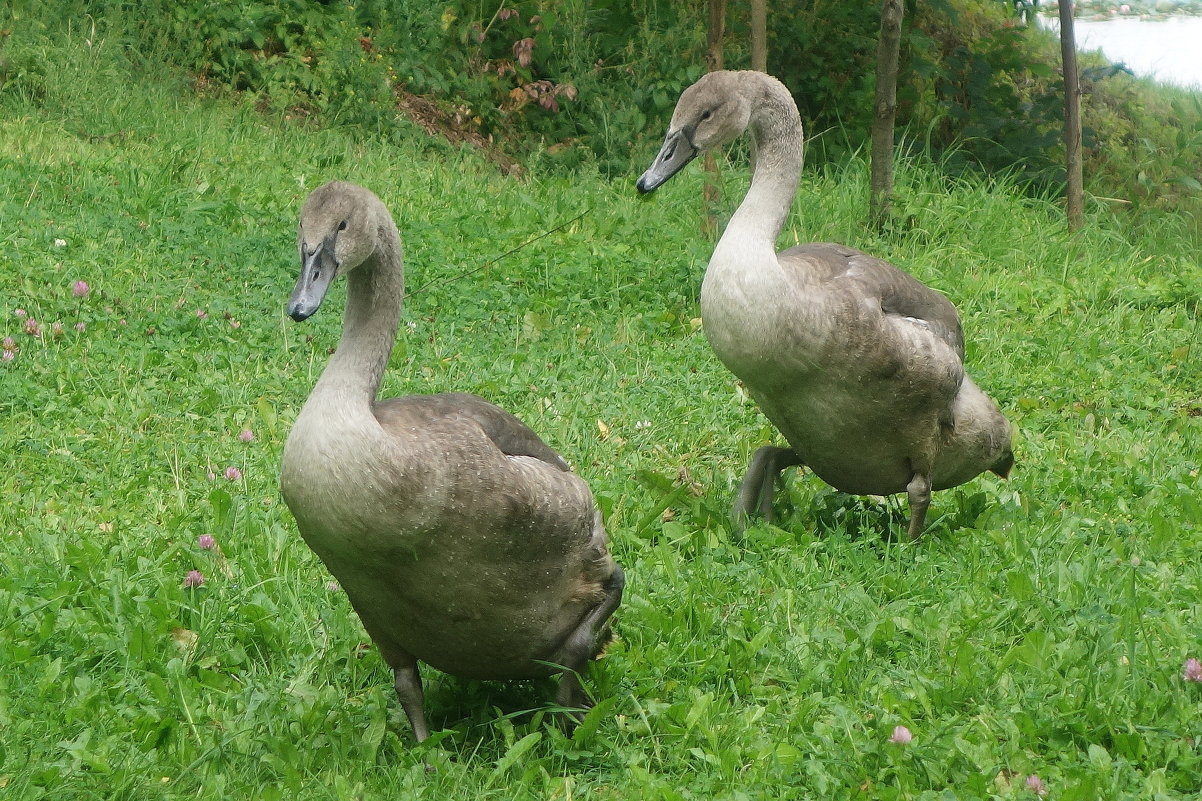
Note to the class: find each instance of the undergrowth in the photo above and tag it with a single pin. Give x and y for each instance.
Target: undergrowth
(1039, 629)
(558, 85)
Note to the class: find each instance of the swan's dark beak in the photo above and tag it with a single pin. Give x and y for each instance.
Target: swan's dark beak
(677, 151)
(317, 273)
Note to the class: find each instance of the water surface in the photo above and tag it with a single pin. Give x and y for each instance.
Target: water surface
(1168, 50)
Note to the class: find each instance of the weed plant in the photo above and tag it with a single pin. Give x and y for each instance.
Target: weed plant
(164, 633)
(559, 83)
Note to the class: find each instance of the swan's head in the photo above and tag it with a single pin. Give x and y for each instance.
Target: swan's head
(709, 114)
(337, 232)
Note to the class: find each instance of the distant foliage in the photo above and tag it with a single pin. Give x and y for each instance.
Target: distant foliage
(307, 55)
(1151, 145)
(566, 82)
(994, 107)
(577, 78)
(826, 54)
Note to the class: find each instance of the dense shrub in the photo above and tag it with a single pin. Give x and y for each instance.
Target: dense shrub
(570, 81)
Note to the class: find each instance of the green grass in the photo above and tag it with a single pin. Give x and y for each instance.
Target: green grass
(1039, 628)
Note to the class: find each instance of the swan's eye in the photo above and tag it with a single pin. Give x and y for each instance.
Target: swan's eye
(342, 225)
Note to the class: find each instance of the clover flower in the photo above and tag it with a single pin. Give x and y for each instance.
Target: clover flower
(80, 289)
(206, 542)
(193, 579)
(1192, 670)
(901, 736)
(232, 473)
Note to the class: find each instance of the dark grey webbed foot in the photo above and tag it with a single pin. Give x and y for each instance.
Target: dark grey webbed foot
(585, 641)
(759, 483)
(572, 698)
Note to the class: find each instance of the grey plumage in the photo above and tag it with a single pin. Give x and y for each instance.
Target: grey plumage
(859, 364)
(461, 539)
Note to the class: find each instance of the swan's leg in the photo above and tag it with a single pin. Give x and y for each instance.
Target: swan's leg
(408, 684)
(919, 493)
(583, 644)
(755, 493)
(748, 497)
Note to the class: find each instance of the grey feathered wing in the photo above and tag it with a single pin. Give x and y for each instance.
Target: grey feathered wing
(508, 433)
(898, 292)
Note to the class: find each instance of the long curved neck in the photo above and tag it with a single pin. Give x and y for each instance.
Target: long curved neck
(375, 290)
(775, 128)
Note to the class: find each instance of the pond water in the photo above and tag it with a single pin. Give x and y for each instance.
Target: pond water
(1166, 49)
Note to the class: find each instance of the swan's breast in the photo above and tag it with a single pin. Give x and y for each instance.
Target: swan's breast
(758, 323)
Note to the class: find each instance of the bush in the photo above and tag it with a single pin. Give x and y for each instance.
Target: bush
(564, 82)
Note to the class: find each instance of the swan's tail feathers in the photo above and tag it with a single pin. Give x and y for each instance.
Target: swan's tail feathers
(604, 634)
(1003, 465)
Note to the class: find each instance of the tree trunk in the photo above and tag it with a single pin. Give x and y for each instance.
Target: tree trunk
(1074, 202)
(880, 194)
(759, 35)
(713, 61)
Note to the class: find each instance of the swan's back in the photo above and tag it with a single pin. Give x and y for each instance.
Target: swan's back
(846, 271)
(507, 432)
